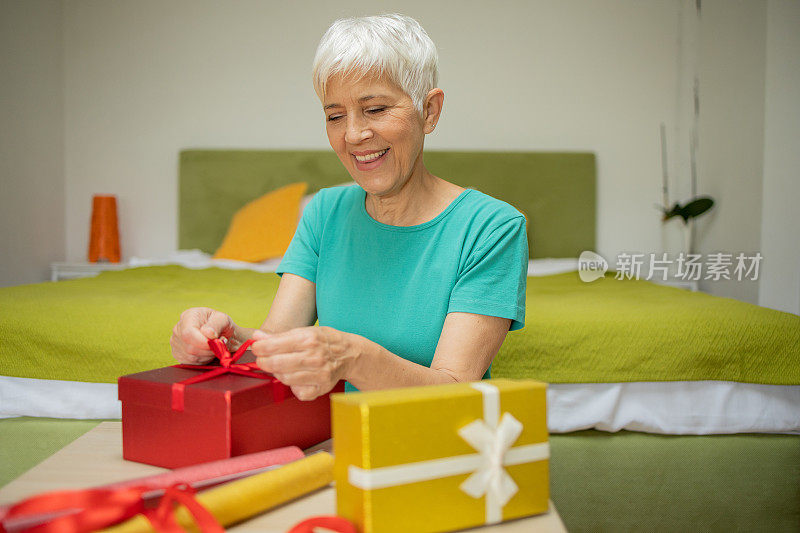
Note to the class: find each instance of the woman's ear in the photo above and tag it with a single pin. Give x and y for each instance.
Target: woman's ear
(432, 109)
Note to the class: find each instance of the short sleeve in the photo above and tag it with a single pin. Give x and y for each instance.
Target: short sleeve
(302, 256)
(494, 276)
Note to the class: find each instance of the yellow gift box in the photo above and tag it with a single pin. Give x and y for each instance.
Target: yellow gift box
(442, 457)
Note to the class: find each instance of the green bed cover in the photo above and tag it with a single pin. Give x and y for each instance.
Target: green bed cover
(606, 331)
(599, 481)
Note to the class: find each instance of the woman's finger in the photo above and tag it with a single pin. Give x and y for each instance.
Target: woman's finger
(188, 354)
(304, 378)
(196, 359)
(281, 363)
(278, 343)
(217, 325)
(306, 393)
(191, 336)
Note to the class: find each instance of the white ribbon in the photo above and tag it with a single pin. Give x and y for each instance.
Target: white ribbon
(491, 478)
(492, 440)
(492, 437)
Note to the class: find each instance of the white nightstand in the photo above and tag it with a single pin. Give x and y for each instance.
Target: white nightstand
(62, 271)
(689, 285)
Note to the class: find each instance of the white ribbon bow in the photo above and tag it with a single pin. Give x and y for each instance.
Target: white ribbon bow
(491, 478)
(492, 437)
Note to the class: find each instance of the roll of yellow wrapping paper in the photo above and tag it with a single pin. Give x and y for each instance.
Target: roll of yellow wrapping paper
(239, 500)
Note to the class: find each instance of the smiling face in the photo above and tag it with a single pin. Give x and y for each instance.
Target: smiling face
(376, 131)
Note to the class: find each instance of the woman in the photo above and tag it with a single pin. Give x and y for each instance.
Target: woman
(414, 280)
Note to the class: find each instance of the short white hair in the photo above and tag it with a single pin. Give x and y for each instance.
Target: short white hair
(393, 46)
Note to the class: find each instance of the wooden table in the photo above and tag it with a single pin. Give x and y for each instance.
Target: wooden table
(96, 459)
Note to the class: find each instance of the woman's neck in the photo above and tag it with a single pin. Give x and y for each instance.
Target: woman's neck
(419, 200)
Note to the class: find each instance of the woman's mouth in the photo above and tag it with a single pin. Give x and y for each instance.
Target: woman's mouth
(370, 161)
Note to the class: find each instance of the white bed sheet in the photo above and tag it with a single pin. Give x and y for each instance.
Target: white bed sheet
(198, 259)
(676, 408)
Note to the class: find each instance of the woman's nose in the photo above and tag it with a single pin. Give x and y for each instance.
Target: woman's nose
(357, 130)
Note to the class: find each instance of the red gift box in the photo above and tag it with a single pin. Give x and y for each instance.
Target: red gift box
(168, 424)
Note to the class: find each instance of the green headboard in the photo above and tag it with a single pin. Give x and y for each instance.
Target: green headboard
(555, 190)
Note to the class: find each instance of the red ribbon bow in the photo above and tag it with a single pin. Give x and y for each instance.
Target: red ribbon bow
(228, 366)
(79, 511)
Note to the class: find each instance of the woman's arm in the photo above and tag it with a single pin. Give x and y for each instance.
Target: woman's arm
(312, 360)
(465, 350)
(294, 306)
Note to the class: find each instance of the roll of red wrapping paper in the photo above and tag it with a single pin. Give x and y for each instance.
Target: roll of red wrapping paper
(239, 500)
(215, 472)
(197, 476)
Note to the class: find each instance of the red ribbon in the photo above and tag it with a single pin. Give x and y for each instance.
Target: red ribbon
(163, 517)
(79, 511)
(228, 366)
(331, 523)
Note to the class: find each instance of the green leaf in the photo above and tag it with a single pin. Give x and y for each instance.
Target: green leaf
(696, 207)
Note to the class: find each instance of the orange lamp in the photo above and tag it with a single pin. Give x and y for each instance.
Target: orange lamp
(104, 238)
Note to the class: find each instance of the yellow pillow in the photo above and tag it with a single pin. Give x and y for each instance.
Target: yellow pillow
(263, 228)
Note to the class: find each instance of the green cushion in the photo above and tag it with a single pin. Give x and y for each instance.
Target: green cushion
(214, 184)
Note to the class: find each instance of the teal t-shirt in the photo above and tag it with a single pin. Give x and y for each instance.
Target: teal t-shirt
(394, 285)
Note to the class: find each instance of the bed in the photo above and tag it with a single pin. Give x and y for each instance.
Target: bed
(669, 410)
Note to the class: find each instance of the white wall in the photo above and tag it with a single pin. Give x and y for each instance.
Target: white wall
(731, 148)
(146, 79)
(31, 140)
(780, 243)
(143, 80)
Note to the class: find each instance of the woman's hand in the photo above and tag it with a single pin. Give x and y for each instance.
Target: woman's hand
(191, 334)
(310, 360)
